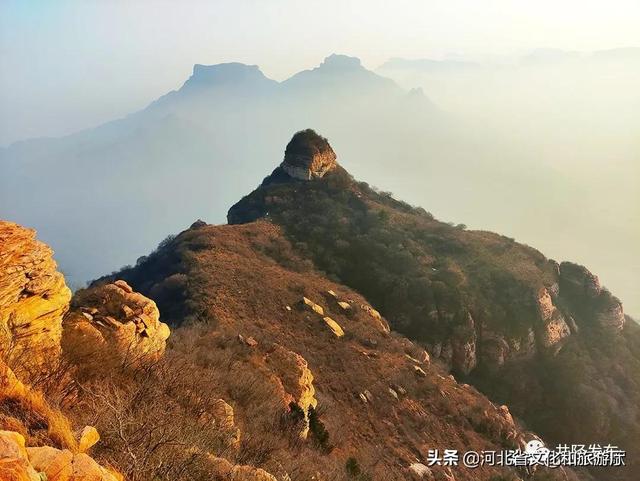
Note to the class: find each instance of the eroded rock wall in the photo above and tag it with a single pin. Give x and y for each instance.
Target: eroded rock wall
(33, 298)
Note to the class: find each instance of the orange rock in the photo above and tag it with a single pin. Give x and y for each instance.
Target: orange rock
(125, 327)
(56, 464)
(88, 438)
(293, 372)
(14, 463)
(33, 298)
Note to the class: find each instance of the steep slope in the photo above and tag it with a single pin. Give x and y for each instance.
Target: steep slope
(377, 396)
(543, 337)
(373, 403)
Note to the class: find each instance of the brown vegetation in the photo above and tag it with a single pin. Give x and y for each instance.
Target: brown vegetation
(249, 281)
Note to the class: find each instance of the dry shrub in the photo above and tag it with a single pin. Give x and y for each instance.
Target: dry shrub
(153, 419)
(26, 410)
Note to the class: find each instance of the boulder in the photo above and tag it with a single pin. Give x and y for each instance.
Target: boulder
(88, 438)
(86, 469)
(125, 327)
(503, 411)
(57, 464)
(309, 304)
(419, 371)
(14, 461)
(334, 326)
(420, 471)
(247, 341)
(345, 306)
(46, 463)
(223, 469)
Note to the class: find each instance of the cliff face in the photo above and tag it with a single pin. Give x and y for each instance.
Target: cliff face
(308, 156)
(33, 298)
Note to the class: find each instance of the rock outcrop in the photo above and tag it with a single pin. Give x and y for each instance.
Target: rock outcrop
(308, 156)
(554, 326)
(611, 315)
(33, 298)
(113, 324)
(464, 358)
(45, 463)
(382, 324)
(584, 291)
(297, 381)
(333, 326)
(577, 281)
(223, 420)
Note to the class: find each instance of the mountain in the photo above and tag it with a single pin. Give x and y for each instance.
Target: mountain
(552, 140)
(313, 338)
(272, 372)
(201, 143)
(541, 336)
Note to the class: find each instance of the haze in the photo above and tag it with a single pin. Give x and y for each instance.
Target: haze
(541, 145)
(68, 65)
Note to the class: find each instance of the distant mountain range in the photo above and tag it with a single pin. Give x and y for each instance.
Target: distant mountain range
(117, 188)
(538, 56)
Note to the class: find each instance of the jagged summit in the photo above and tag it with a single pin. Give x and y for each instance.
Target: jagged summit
(308, 156)
(341, 62)
(341, 73)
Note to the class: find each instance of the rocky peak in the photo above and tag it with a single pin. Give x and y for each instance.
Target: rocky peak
(337, 62)
(231, 74)
(308, 156)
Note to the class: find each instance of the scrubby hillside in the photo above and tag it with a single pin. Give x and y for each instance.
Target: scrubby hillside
(284, 346)
(272, 373)
(543, 337)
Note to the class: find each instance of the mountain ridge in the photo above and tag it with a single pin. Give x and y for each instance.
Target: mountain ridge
(499, 313)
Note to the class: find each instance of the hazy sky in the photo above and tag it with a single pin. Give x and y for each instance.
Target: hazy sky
(65, 65)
